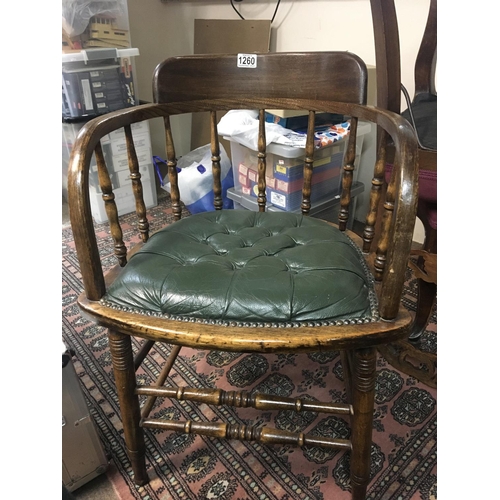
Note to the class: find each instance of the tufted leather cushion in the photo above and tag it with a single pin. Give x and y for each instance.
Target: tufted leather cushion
(247, 266)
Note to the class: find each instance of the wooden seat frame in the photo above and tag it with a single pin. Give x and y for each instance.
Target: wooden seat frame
(302, 86)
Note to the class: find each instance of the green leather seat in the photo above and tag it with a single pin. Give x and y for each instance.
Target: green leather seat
(232, 265)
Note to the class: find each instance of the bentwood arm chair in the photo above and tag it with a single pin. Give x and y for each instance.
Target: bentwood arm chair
(244, 281)
(421, 112)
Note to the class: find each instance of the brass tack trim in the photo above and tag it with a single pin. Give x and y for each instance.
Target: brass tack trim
(372, 297)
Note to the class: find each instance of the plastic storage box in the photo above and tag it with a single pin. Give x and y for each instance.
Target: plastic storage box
(326, 208)
(88, 24)
(114, 151)
(284, 171)
(97, 81)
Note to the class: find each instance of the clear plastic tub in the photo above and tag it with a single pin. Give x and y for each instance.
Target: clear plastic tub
(284, 170)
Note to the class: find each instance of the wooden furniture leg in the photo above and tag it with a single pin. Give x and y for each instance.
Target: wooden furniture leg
(405, 354)
(346, 370)
(120, 346)
(425, 303)
(363, 363)
(426, 272)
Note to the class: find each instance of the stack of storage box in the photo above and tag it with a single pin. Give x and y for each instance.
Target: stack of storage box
(97, 81)
(284, 173)
(115, 153)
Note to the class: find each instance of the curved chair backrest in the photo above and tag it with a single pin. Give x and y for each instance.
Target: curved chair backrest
(329, 76)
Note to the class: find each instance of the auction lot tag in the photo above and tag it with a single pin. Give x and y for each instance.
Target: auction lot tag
(247, 60)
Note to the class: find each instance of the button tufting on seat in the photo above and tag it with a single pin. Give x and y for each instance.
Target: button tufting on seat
(248, 267)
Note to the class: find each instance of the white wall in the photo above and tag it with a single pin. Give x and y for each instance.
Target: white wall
(161, 29)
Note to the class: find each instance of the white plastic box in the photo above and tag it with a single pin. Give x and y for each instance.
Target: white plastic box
(114, 151)
(124, 198)
(284, 171)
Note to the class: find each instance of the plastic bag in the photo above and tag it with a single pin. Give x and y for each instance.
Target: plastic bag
(195, 179)
(242, 126)
(76, 14)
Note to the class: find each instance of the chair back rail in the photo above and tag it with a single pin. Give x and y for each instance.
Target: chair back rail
(376, 191)
(387, 54)
(261, 163)
(110, 206)
(308, 165)
(388, 57)
(400, 206)
(347, 175)
(216, 172)
(320, 75)
(425, 64)
(172, 169)
(135, 176)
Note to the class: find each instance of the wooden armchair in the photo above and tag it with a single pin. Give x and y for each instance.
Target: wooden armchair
(236, 280)
(421, 112)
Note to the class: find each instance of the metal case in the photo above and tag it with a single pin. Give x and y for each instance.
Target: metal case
(83, 456)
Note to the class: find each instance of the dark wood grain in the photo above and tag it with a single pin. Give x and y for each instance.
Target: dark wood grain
(215, 150)
(135, 176)
(261, 162)
(110, 206)
(347, 176)
(308, 165)
(172, 169)
(425, 64)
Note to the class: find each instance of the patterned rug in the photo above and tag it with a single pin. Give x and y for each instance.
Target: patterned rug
(198, 468)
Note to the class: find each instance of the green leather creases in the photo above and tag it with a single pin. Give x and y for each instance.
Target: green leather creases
(247, 266)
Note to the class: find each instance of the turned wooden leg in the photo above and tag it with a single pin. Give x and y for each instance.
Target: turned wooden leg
(346, 371)
(427, 283)
(120, 346)
(363, 397)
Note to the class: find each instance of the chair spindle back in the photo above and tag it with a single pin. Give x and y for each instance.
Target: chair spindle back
(194, 84)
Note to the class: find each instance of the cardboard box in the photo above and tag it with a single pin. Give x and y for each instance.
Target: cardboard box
(124, 199)
(122, 178)
(119, 147)
(291, 169)
(118, 163)
(284, 167)
(291, 201)
(320, 174)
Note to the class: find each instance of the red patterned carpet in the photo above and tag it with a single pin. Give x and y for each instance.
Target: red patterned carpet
(193, 467)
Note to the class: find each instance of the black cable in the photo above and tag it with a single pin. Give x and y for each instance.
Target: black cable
(275, 10)
(412, 118)
(238, 12)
